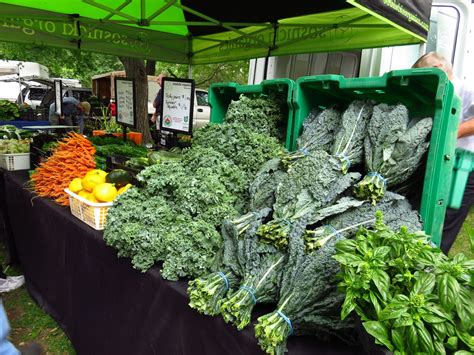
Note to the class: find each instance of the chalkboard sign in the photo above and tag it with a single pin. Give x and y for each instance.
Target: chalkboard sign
(125, 101)
(177, 105)
(58, 97)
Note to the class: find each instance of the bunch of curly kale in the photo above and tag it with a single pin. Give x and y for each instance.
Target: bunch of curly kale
(174, 217)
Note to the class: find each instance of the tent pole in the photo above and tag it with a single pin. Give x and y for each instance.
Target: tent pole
(190, 71)
(273, 46)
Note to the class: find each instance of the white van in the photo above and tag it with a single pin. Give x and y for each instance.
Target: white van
(451, 34)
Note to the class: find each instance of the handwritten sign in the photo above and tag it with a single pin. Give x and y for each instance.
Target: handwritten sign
(177, 106)
(58, 97)
(125, 101)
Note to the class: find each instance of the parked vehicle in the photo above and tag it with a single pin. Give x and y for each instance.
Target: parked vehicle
(451, 31)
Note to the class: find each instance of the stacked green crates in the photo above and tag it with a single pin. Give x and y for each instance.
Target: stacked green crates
(463, 166)
(426, 92)
(221, 95)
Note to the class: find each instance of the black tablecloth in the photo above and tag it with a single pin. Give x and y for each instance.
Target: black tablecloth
(103, 304)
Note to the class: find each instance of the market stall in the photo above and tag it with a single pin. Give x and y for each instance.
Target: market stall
(103, 304)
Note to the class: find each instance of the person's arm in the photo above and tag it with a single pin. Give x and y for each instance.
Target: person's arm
(466, 128)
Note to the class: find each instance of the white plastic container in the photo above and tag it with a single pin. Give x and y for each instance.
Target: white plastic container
(18, 161)
(91, 213)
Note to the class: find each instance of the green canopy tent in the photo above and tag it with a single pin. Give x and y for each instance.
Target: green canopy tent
(201, 32)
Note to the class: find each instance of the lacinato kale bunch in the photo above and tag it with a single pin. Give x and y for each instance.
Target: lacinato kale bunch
(349, 142)
(263, 265)
(309, 303)
(265, 114)
(206, 292)
(312, 183)
(319, 130)
(393, 151)
(396, 208)
(244, 146)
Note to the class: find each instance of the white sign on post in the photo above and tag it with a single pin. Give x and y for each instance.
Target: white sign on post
(177, 105)
(58, 97)
(125, 101)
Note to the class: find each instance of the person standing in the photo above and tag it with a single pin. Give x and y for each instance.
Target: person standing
(155, 118)
(455, 218)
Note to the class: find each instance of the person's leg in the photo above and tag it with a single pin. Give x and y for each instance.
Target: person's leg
(6, 347)
(454, 219)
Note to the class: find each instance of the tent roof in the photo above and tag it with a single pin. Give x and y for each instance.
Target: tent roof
(200, 32)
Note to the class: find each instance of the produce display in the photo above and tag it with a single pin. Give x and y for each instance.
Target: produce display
(174, 217)
(410, 296)
(8, 110)
(392, 150)
(264, 113)
(249, 223)
(73, 158)
(14, 146)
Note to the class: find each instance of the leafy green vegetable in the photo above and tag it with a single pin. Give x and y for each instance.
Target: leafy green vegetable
(410, 296)
(308, 301)
(319, 130)
(14, 146)
(8, 110)
(392, 150)
(349, 141)
(262, 113)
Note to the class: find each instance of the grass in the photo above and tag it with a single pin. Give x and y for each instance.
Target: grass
(464, 242)
(29, 322)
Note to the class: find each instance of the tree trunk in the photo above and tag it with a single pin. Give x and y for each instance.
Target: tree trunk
(135, 68)
(150, 67)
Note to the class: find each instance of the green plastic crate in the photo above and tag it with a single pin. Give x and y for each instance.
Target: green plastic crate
(221, 94)
(425, 92)
(463, 166)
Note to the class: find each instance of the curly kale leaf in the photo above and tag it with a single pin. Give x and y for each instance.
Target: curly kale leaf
(245, 147)
(192, 246)
(349, 141)
(262, 113)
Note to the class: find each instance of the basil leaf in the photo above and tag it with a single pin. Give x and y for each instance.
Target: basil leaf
(439, 348)
(347, 259)
(464, 308)
(347, 307)
(393, 311)
(424, 338)
(466, 338)
(452, 343)
(379, 332)
(381, 252)
(405, 320)
(346, 246)
(398, 339)
(439, 330)
(412, 338)
(382, 282)
(424, 284)
(375, 302)
(448, 289)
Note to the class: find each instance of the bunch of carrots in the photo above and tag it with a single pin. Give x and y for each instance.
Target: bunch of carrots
(73, 158)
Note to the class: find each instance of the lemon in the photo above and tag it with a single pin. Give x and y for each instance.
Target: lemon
(90, 181)
(99, 172)
(75, 185)
(84, 193)
(124, 188)
(105, 192)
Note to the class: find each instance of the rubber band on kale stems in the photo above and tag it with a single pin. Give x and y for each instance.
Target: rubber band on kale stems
(206, 292)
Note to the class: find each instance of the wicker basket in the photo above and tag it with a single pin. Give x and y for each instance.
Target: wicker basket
(93, 214)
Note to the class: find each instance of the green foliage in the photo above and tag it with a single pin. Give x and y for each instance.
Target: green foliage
(349, 140)
(8, 110)
(392, 150)
(207, 74)
(410, 296)
(319, 130)
(262, 113)
(63, 63)
(308, 298)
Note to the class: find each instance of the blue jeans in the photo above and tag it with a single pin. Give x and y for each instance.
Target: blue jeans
(6, 347)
